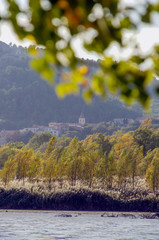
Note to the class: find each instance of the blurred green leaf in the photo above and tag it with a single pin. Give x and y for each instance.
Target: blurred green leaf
(64, 89)
(56, 26)
(87, 95)
(42, 66)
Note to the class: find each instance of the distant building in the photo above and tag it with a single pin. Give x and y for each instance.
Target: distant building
(82, 120)
(32, 129)
(123, 121)
(53, 131)
(41, 129)
(60, 127)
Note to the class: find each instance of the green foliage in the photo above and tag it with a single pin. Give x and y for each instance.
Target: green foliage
(106, 169)
(23, 160)
(146, 161)
(5, 152)
(35, 167)
(55, 24)
(142, 136)
(123, 167)
(8, 172)
(50, 145)
(72, 160)
(38, 139)
(152, 173)
(50, 165)
(89, 162)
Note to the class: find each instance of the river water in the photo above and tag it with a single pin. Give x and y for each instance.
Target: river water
(22, 225)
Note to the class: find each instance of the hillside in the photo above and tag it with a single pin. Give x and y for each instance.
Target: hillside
(26, 99)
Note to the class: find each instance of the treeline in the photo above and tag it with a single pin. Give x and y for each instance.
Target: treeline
(111, 161)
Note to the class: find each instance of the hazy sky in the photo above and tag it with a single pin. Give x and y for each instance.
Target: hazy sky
(146, 37)
(8, 36)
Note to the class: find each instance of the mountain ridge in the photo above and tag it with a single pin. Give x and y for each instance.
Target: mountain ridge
(26, 99)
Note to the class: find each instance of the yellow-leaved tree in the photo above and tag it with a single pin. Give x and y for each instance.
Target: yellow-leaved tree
(152, 173)
(128, 156)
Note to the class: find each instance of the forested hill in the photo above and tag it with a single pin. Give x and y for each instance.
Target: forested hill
(26, 99)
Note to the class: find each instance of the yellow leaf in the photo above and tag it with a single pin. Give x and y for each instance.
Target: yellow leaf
(31, 38)
(83, 70)
(63, 4)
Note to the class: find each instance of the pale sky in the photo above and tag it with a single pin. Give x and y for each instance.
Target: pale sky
(145, 38)
(8, 36)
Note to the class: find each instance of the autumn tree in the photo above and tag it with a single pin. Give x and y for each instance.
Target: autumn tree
(123, 141)
(106, 169)
(146, 160)
(8, 172)
(152, 173)
(8, 161)
(128, 156)
(23, 160)
(73, 161)
(50, 166)
(143, 135)
(90, 158)
(136, 157)
(123, 168)
(103, 142)
(5, 152)
(50, 147)
(53, 166)
(98, 141)
(35, 167)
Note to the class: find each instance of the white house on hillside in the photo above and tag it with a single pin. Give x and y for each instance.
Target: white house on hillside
(123, 121)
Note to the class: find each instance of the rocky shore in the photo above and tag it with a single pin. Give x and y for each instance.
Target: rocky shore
(79, 200)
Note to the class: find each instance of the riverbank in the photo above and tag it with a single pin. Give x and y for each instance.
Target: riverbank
(76, 200)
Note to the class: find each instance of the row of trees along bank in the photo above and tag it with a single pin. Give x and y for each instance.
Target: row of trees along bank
(110, 161)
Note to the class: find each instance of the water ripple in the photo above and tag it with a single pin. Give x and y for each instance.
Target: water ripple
(59, 225)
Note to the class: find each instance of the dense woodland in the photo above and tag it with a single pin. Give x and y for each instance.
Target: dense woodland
(111, 162)
(26, 99)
